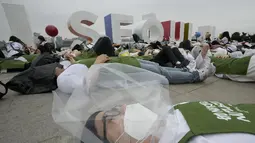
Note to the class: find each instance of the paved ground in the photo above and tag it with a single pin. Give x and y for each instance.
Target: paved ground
(27, 118)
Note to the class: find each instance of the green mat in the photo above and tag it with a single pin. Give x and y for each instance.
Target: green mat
(231, 65)
(15, 64)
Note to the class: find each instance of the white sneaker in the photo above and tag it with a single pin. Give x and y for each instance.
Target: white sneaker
(207, 72)
(203, 73)
(212, 70)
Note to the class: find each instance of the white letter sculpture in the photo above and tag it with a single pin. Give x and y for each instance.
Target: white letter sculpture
(113, 23)
(83, 17)
(154, 26)
(18, 22)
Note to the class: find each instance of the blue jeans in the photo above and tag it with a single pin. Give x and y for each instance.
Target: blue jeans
(174, 75)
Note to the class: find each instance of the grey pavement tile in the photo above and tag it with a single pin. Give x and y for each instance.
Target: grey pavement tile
(184, 88)
(174, 93)
(226, 91)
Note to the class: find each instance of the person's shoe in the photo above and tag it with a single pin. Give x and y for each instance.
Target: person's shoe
(178, 65)
(202, 74)
(212, 70)
(207, 72)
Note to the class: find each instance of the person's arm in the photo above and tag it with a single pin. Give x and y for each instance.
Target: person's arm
(102, 59)
(71, 59)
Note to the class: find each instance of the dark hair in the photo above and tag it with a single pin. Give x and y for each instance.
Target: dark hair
(187, 45)
(77, 47)
(215, 42)
(181, 45)
(46, 48)
(41, 38)
(90, 124)
(155, 45)
(136, 38)
(16, 39)
(104, 46)
(226, 34)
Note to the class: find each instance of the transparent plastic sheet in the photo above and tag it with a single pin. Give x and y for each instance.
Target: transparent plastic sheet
(110, 85)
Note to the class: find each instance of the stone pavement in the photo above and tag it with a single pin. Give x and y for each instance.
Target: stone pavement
(27, 118)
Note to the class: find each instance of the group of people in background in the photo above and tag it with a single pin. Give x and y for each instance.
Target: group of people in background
(184, 62)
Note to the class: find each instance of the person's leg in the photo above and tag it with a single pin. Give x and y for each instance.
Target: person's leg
(202, 60)
(166, 55)
(150, 63)
(174, 76)
(178, 54)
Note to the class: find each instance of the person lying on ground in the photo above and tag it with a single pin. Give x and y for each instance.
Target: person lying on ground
(204, 121)
(39, 40)
(235, 69)
(16, 47)
(241, 69)
(72, 76)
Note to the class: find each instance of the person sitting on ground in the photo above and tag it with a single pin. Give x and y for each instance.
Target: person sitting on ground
(72, 76)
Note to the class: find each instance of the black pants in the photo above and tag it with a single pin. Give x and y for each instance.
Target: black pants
(168, 55)
(18, 55)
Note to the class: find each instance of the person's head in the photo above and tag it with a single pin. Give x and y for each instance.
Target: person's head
(181, 45)
(16, 39)
(45, 48)
(123, 124)
(77, 47)
(226, 34)
(207, 35)
(187, 45)
(41, 39)
(215, 42)
(108, 126)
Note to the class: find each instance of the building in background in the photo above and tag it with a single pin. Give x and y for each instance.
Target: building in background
(204, 29)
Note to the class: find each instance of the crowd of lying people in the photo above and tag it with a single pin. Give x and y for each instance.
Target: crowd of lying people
(185, 62)
(115, 93)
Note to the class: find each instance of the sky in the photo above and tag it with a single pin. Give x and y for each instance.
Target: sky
(225, 15)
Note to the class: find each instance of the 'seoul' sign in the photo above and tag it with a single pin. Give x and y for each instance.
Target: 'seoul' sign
(149, 29)
(176, 31)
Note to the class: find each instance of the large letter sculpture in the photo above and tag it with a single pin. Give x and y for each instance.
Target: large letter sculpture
(113, 23)
(179, 31)
(83, 17)
(155, 28)
(18, 22)
(149, 16)
(188, 31)
(169, 30)
(166, 27)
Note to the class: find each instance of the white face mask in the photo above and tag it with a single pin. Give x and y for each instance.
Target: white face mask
(138, 120)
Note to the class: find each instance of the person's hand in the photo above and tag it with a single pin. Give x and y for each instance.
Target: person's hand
(102, 59)
(69, 55)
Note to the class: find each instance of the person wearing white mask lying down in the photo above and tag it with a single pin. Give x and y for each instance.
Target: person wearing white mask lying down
(195, 122)
(121, 106)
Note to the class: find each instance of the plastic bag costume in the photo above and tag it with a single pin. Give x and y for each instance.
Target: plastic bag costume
(106, 86)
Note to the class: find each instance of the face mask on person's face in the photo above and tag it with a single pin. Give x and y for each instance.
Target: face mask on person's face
(138, 121)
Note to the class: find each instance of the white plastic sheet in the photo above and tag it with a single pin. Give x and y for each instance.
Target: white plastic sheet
(109, 85)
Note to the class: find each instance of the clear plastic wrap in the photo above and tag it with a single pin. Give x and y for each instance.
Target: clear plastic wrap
(110, 85)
